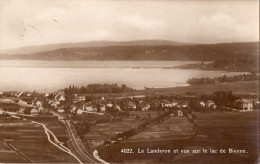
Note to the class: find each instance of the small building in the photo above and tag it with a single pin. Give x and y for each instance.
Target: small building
(109, 104)
(211, 104)
(21, 110)
(166, 103)
(39, 103)
(34, 111)
(60, 97)
(41, 108)
(61, 110)
(54, 104)
(117, 107)
(81, 98)
(131, 105)
(180, 113)
(244, 104)
(89, 107)
(102, 108)
(73, 109)
(202, 104)
(146, 107)
(79, 111)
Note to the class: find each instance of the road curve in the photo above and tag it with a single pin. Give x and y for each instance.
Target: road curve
(49, 133)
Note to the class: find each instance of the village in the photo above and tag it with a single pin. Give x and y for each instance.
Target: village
(78, 104)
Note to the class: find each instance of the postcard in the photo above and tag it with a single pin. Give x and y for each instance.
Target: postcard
(129, 81)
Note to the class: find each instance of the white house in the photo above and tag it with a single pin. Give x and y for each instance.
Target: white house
(21, 111)
(34, 111)
(61, 110)
(180, 113)
(102, 108)
(54, 104)
(244, 104)
(109, 104)
(79, 111)
(81, 98)
(60, 97)
(146, 107)
(117, 107)
(38, 103)
(89, 107)
(202, 104)
(131, 105)
(211, 104)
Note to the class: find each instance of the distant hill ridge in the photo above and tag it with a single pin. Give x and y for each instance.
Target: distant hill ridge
(156, 50)
(50, 47)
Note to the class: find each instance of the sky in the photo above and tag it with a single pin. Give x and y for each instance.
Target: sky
(38, 22)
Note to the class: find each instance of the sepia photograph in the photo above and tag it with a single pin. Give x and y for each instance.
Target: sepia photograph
(129, 81)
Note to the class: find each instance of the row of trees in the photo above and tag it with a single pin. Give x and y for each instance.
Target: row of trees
(224, 78)
(143, 126)
(97, 88)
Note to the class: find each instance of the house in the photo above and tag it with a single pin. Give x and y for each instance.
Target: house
(39, 103)
(182, 104)
(60, 110)
(131, 105)
(89, 107)
(1, 111)
(40, 108)
(202, 104)
(19, 94)
(109, 104)
(79, 111)
(21, 110)
(102, 108)
(21, 102)
(146, 107)
(60, 97)
(81, 98)
(244, 104)
(73, 109)
(117, 107)
(54, 104)
(211, 104)
(167, 103)
(180, 113)
(34, 111)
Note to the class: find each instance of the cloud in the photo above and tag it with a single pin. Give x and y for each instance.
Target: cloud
(138, 21)
(220, 27)
(78, 21)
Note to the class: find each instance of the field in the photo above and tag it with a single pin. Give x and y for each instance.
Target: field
(104, 131)
(171, 134)
(31, 142)
(218, 130)
(173, 128)
(211, 130)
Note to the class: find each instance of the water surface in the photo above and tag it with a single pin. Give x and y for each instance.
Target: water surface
(47, 76)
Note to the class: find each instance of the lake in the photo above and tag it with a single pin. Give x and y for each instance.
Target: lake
(48, 76)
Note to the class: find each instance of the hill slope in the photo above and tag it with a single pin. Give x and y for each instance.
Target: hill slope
(201, 52)
(51, 47)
